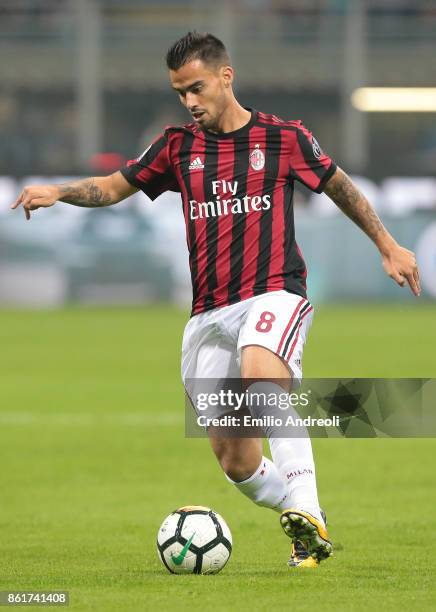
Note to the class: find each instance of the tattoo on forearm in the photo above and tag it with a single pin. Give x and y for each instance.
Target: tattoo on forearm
(348, 198)
(84, 193)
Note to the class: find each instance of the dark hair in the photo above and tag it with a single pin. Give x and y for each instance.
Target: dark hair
(194, 45)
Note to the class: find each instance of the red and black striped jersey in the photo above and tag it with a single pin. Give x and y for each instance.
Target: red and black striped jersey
(237, 191)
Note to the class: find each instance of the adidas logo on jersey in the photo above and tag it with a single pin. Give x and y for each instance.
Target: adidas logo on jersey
(197, 164)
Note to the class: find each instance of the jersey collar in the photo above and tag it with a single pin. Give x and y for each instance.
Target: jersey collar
(239, 132)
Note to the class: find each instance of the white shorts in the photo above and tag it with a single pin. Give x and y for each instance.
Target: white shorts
(213, 340)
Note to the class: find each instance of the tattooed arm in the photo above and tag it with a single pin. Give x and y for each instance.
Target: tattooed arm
(398, 262)
(88, 193)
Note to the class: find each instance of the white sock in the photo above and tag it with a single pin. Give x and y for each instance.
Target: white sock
(292, 457)
(265, 487)
(294, 460)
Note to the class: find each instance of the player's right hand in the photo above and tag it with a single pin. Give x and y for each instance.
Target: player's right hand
(36, 196)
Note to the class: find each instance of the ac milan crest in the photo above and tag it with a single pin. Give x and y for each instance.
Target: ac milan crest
(257, 158)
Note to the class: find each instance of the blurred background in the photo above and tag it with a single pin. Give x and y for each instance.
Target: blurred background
(83, 88)
(91, 403)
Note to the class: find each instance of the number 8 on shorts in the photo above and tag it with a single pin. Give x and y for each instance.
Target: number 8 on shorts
(279, 321)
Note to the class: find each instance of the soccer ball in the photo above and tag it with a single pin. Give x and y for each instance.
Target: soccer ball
(194, 540)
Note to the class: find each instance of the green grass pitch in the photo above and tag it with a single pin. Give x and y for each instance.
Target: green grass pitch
(93, 457)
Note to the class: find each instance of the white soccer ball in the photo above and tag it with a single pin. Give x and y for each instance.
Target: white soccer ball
(194, 540)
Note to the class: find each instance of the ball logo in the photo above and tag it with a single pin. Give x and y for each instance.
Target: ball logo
(257, 158)
(316, 148)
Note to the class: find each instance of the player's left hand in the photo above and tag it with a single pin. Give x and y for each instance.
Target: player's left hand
(400, 264)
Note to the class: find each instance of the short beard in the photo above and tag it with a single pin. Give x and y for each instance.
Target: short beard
(212, 125)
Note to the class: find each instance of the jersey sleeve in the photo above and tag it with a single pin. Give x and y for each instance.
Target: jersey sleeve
(152, 171)
(308, 163)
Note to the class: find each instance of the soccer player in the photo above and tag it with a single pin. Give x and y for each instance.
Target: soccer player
(235, 168)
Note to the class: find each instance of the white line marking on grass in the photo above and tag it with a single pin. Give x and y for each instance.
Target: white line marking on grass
(69, 419)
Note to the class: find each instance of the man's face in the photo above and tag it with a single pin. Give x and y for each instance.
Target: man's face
(204, 90)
